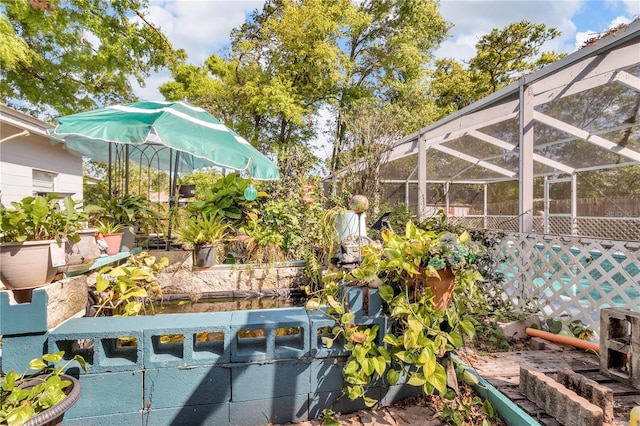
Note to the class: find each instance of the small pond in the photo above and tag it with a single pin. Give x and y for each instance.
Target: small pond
(229, 301)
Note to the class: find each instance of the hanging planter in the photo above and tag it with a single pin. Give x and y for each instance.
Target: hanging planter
(442, 288)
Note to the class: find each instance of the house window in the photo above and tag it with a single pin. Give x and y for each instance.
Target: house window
(43, 182)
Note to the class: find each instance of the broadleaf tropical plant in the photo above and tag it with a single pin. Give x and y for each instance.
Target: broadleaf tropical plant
(416, 348)
(37, 218)
(129, 290)
(25, 395)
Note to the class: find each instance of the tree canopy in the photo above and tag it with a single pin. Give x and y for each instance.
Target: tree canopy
(65, 56)
(293, 59)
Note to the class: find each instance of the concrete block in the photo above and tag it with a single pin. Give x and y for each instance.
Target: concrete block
(187, 339)
(620, 345)
(364, 301)
(177, 387)
(321, 326)
(391, 394)
(210, 414)
(106, 343)
(516, 330)
(108, 394)
(18, 351)
(67, 298)
(258, 278)
(275, 379)
(339, 402)
(326, 375)
(594, 392)
(108, 420)
(258, 335)
(23, 318)
(558, 401)
(292, 408)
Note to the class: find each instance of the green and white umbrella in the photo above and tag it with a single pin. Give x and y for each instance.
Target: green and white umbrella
(169, 135)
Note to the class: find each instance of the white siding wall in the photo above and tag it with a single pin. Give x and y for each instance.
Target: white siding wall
(18, 158)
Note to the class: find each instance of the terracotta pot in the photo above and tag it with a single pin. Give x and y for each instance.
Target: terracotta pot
(26, 265)
(114, 241)
(442, 288)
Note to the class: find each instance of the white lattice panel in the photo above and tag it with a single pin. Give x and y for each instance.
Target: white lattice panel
(570, 275)
(615, 228)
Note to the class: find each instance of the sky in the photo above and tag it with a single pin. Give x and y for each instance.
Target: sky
(202, 27)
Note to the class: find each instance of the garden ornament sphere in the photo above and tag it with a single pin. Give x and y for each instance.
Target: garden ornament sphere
(359, 204)
(250, 192)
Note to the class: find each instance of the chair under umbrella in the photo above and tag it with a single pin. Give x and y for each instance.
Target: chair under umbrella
(171, 136)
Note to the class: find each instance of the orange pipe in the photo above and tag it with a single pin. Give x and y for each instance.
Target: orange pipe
(566, 340)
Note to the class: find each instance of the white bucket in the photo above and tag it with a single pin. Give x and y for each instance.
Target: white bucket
(347, 224)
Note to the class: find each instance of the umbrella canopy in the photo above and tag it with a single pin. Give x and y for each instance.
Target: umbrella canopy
(156, 131)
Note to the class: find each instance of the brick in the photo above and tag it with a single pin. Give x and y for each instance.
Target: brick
(540, 344)
(176, 387)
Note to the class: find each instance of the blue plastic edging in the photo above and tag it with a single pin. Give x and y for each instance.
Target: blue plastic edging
(507, 409)
(103, 261)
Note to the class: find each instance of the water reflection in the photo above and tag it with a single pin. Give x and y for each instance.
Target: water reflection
(225, 302)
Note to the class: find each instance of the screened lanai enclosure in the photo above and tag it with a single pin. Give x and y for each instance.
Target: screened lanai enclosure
(552, 161)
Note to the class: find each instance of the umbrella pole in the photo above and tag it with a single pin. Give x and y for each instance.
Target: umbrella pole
(172, 197)
(110, 171)
(126, 170)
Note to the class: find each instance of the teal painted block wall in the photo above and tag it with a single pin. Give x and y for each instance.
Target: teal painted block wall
(241, 368)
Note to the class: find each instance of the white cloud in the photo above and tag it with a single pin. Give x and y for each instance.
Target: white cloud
(474, 18)
(633, 7)
(582, 36)
(200, 27)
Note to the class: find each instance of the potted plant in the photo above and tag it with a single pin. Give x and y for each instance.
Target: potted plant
(40, 398)
(130, 211)
(425, 327)
(205, 233)
(111, 233)
(29, 231)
